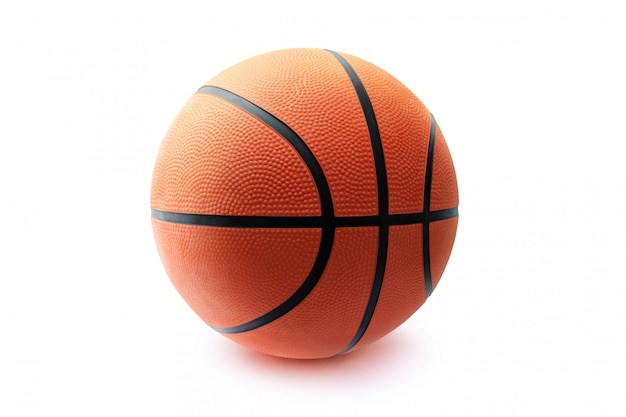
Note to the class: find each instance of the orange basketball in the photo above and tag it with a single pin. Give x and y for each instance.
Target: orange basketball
(304, 203)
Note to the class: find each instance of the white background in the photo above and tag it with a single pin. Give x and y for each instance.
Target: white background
(529, 318)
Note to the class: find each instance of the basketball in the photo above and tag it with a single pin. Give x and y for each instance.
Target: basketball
(304, 203)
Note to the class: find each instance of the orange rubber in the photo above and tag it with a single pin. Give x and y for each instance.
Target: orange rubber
(219, 161)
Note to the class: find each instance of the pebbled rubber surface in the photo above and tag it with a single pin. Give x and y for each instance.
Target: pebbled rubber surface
(290, 291)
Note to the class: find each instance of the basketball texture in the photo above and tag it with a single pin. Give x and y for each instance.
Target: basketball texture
(304, 203)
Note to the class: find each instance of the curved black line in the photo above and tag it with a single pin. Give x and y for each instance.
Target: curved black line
(243, 222)
(298, 222)
(326, 245)
(383, 197)
(444, 214)
(326, 203)
(428, 182)
(289, 135)
(372, 126)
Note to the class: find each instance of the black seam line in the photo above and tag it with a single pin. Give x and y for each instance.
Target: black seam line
(428, 182)
(326, 245)
(303, 222)
(372, 126)
(326, 203)
(288, 134)
(383, 196)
